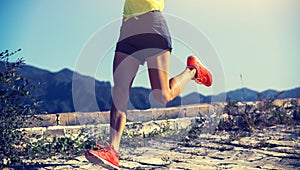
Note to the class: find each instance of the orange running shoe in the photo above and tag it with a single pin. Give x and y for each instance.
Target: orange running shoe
(203, 75)
(107, 157)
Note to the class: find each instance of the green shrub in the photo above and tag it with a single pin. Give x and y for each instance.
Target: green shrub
(247, 116)
(64, 147)
(18, 109)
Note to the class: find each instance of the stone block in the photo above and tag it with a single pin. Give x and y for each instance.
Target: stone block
(139, 115)
(183, 123)
(71, 119)
(63, 118)
(54, 133)
(92, 118)
(166, 113)
(48, 120)
(73, 130)
(279, 102)
(35, 133)
(191, 111)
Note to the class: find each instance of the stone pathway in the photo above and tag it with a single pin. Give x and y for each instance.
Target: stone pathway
(273, 148)
(277, 147)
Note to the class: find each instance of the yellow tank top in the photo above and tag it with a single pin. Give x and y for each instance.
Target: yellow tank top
(134, 8)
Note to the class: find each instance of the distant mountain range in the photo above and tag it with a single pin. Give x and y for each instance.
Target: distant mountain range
(93, 95)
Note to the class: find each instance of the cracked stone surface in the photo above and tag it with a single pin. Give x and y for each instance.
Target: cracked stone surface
(201, 137)
(272, 148)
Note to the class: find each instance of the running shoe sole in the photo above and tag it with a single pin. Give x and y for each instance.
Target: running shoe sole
(206, 79)
(100, 161)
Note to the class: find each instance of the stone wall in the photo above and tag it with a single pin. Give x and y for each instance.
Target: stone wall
(102, 130)
(140, 121)
(89, 118)
(78, 118)
(147, 120)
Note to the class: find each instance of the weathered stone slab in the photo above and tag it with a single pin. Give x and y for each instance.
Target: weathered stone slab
(139, 116)
(205, 154)
(284, 143)
(166, 113)
(48, 120)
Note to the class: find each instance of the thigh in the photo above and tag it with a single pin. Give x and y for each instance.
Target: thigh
(124, 71)
(158, 70)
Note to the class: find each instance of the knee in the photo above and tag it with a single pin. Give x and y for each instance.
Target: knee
(162, 97)
(121, 92)
(118, 89)
(120, 96)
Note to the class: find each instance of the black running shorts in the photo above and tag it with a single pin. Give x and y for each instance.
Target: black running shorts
(144, 36)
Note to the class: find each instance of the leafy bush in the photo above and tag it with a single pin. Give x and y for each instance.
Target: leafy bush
(240, 119)
(64, 147)
(239, 116)
(18, 109)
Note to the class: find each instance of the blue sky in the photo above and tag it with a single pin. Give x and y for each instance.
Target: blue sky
(258, 39)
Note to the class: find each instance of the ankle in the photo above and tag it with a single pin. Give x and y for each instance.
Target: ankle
(192, 72)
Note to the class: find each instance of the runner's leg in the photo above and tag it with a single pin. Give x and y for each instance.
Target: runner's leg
(124, 72)
(163, 88)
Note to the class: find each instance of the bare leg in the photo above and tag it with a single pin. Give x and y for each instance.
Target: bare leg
(124, 72)
(165, 89)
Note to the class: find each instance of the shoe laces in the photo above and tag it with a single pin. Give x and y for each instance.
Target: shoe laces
(107, 148)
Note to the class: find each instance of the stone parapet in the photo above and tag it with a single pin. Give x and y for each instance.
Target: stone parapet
(91, 118)
(139, 128)
(140, 122)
